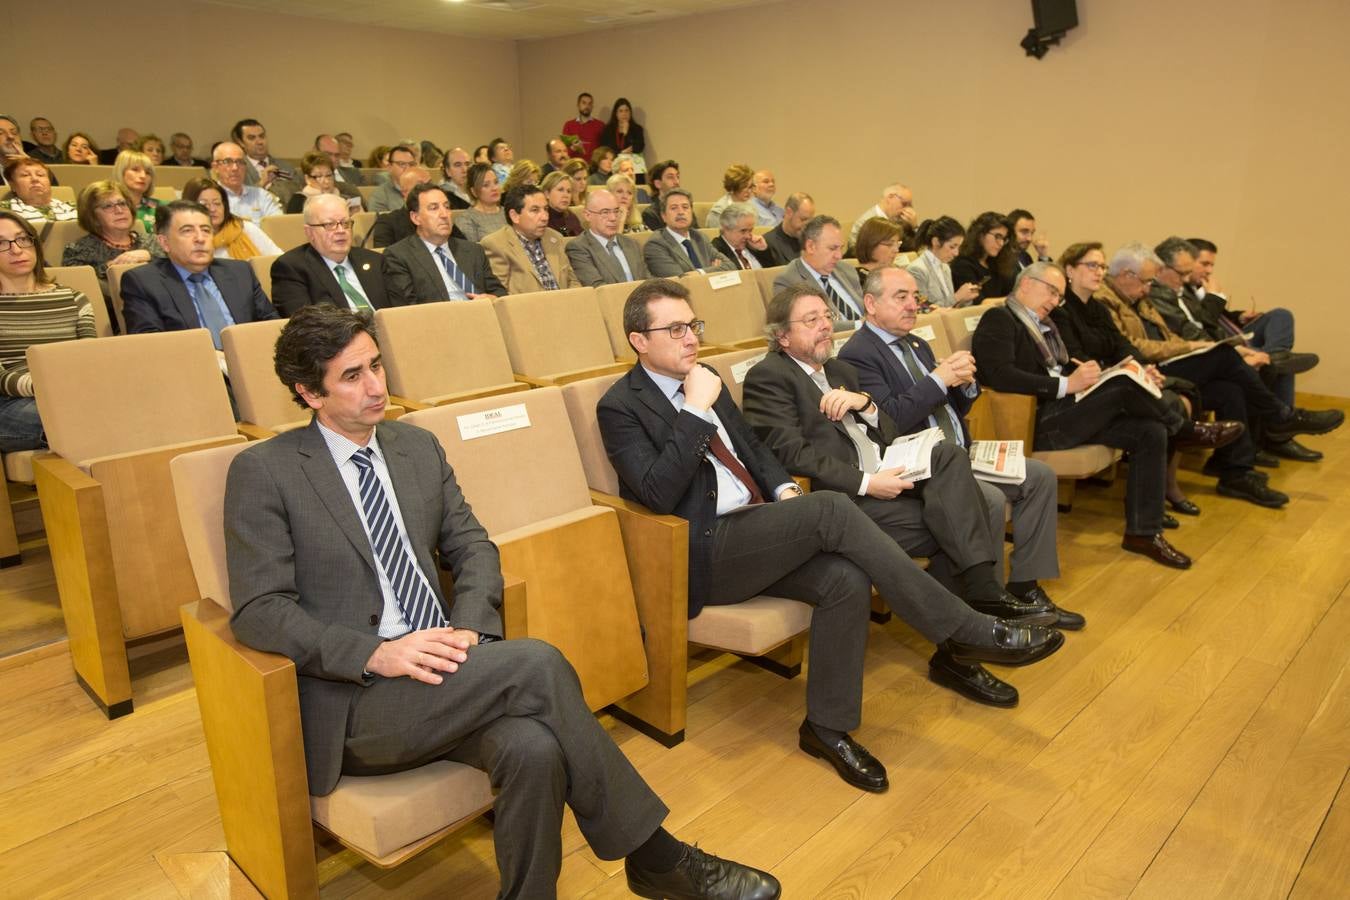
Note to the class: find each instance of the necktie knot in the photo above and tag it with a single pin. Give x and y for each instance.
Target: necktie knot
(197, 278)
(363, 458)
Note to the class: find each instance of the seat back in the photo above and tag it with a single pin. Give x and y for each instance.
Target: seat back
(552, 332)
(611, 298)
(85, 280)
(367, 191)
(77, 177)
(199, 492)
(177, 177)
(63, 192)
(164, 194)
(115, 274)
(287, 230)
(61, 234)
(700, 208)
(580, 398)
(730, 303)
(262, 270)
(642, 237)
(960, 325)
(764, 281)
(261, 397)
(733, 366)
(436, 349)
(932, 327)
(362, 222)
(101, 398)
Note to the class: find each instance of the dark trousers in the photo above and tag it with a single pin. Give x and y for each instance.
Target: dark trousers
(1233, 390)
(515, 710)
(1272, 331)
(1123, 415)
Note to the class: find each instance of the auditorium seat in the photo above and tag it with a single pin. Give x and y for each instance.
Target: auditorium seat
(730, 304)
(733, 366)
(701, 208)
(287, 230)
(553, 337)
(115, 274)
(362, 222)
(262, 270)
(78, 177)
(177, 177)
(85, 280)
(764, 280)
(60, 234)
(438, 353)
(251, 718)
(264, 403)
(64, 192)
(115, 412)
(517, 463)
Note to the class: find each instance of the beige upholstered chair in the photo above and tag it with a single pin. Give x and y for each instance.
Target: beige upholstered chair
(734, 365)
(64, 192)
(553, 337)
(701, 208)
(764, 281)
(85, 280)
(115, 274)
(78, 177)
(107, 503)
(60, 234)
(768, 631)
(176, 177)
(731, 304)
(517, 463)
(264, 403)
(438, 353)
(262, 270)
(251, 716)
(367, 191)
(287, 229)
(362, 222)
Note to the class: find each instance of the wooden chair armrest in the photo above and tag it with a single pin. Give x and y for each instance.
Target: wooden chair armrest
(532, 382)
(394, 411)
(561, 378)
(496, 391)
(407, 403)
(1009, 417)
(513, 606)
(254, 432)
(803, 482)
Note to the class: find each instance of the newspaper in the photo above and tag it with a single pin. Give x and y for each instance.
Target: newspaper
(913, 453)
(1231, 341)
(1001, 462)
(1130, 368)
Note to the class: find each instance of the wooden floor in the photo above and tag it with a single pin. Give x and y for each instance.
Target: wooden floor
(1192, 742)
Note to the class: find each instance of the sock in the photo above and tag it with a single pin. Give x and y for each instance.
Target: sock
(978, 630)
(828, 735)
(978, 583)
(1021, 588)
(659, 853)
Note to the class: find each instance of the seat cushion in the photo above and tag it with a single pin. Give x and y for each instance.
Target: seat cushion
(19, 466)
(381, 814)
(751, 628)
(1078, 462)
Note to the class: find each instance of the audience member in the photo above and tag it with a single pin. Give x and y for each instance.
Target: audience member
(11, 141)
(784, 239)
(181, 146)
(153, 148)
(624, 166)
(486, 215)
(877, 246)
(232, 237)
(432, 264)
(624, 190)
(985, 258)
(897, 204)
(328, 269)
(737, 182)
(557, 188)
(112, 238)
(680, 446)
(30, 192)
(583, 130)
(44, 147)
(80, 149)
(34, 309)
(679, 247)
(480, 154)
(941, 240)
(1030, 247)
(320, 178)
(126, 140)
(346, 178)
(555, 155)
(580, 173)
(455, 178)
(525, 172)
(738, 241)
(247, 201)
(262, 169)
(621, 132)
(136, 172)
(188, 288)
(821, 263)
(762, 189)
(377, 164)
(915, 391)
(602, 165)
(662, 177)
(388, 196)
(602, 255)
(397, 224)
(502, 158)
(525, 254)
(346, 159)
(511, 707)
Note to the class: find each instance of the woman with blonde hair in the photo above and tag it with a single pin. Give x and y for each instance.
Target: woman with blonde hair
(524, 172)
(152, 146)
(738, 181)
(625, 191)
(579, 172)
(136, 172)
(113, 240)
(557, 189)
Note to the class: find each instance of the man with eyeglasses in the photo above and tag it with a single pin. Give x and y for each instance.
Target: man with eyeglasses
(601, 255)
(897, 204)
(328, 269)
(388, 195)
(821, 265)
(431, 264)
(43, 146)
(263, 170)
(246, 201)
(345, 179)
(180, 152)
(680, 446)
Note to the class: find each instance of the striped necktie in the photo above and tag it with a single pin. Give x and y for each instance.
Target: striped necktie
(455, 272)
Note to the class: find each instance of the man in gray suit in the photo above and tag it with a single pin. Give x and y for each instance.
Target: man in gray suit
(263, 170)
(679, 247)
(821, 265)
(430, 265)
(333, 535)
(387, 196)
(601, 255)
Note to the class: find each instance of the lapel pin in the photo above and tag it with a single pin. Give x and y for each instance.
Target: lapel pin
(365, 267)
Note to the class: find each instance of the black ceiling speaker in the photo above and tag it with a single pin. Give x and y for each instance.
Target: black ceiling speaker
(1053, 20)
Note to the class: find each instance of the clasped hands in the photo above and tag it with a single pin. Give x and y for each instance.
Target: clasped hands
(422, 655)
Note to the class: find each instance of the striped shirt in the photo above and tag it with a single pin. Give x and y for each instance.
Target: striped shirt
(45, 317)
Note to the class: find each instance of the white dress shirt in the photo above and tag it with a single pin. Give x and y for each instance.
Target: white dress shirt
(352, 279)
(839, 289)
(870, 418)
(450, 286)
(253, 203)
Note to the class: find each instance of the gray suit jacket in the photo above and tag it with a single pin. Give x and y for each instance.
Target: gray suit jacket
(303, 578)
(667, 259)
(797, 273)
(385, 198)
(412, 275)
(595, 265)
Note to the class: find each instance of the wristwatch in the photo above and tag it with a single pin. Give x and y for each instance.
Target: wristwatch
(870, 402)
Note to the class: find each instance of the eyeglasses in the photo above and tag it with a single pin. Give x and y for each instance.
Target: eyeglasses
(1183, 275)
(228, 163)
(112, 204)
(814, 319)
(344, 224)
(677, 330)
(1094, 266)
(24, 242)
(603, 212)
(1001, 238)
(1054, 291)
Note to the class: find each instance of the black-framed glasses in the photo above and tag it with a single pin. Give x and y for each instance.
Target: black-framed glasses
(227, 162)
(113, 204)
(1054, 291)
(814, 319)
(24, 242)
(344, 224)
(677, 330)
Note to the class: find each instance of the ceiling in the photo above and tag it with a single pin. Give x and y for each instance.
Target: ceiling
(497, 19)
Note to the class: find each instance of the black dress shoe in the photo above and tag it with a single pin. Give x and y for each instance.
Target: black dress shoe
(1185, 507)
(1015, 609)
(1211, 435)
(1292, 449)
(1247, 486)
(702, 876)
(849, 758)
(1170, 521)
(1287, 362)
(1156, 548)
(1266, 460)
(1304, 421)
(1009, 644)
(1065, 620)
(970, 680)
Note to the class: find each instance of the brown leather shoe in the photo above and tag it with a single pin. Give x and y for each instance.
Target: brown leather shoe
(1156, 548)
(1211, 435)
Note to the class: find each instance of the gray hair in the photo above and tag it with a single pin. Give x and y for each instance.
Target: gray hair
(675, 192)
(875, 283)
(1131, 258)
(778, 313)
(1172, 247)
(733, 213)
(894, 189)
(794, 201)
(812, 229)
(13, 121)
(315, 200)
(1036, 272)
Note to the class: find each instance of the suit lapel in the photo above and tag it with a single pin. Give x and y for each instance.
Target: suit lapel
(182, 301)
(516, 251)
(369, 278)
(605, 259)
(327, 482)
(403, 474)
(651, 395)
(430, 268)
(238, 299)
(325, 277)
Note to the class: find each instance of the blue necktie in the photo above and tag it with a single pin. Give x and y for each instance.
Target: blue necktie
(456, 274)
(845, 309)
(693, 257)
(208, 304)
(414, 596)
(941, 413)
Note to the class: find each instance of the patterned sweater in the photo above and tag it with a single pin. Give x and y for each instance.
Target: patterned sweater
(56, 314)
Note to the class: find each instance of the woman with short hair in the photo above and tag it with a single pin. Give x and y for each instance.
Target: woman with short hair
(113, 238)
(232, 237)
(30, 192)
(137, 173)
(317, 170)
(737, 181)
(152, 146)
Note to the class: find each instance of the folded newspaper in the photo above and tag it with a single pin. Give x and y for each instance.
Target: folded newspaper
(1001, 462)
(913, 453)
(1130, 368)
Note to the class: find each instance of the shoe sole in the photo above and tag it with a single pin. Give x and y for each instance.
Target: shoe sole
(1074, 626)
(870, 788)
(964, 690)
(1275, 435)
(1049, 648)
(1238, 495)
(1161, 562)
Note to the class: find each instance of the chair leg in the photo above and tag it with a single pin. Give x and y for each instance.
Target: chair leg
(881, 613)
(784, 660)
(1066, 489)
(9, 535)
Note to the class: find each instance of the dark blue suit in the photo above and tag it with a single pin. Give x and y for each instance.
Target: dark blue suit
(154, 298)
(891, 386)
